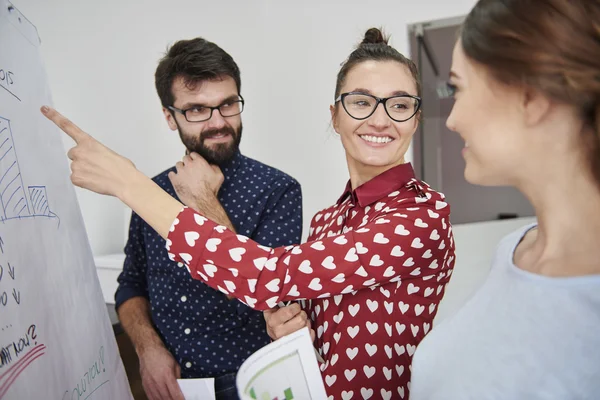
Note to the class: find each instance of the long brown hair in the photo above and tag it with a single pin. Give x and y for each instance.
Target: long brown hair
(550, 45)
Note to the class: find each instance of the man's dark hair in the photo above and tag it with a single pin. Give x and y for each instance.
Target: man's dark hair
(195, 60)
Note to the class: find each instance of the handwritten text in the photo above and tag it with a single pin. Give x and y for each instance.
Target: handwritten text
(92, 378)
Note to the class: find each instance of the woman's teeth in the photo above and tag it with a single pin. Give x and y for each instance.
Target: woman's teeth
(376, 139)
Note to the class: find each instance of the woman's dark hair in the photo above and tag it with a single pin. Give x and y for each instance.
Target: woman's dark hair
(375, 47)
(552, 46)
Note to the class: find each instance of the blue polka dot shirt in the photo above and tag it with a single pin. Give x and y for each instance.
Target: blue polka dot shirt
(208, 334)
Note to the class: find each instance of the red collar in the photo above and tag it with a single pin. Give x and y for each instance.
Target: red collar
(380, 186)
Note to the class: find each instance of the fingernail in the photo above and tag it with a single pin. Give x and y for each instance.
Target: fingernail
(45, 109)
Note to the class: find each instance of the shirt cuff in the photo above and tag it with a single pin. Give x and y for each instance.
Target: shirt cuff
(125, 293)
(187, 236)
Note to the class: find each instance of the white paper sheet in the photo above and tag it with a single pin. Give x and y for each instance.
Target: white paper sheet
(197, 389)
(56, 340)
(285, 369)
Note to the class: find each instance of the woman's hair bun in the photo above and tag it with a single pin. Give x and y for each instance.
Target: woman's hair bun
(374, 36)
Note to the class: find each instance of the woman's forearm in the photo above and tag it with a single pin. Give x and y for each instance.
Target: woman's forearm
(150, 202)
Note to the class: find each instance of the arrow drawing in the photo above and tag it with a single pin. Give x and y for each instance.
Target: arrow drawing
(17, 296)
(11, 271)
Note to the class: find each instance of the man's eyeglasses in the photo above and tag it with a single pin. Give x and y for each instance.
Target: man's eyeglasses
(361, 105)
(204, 113)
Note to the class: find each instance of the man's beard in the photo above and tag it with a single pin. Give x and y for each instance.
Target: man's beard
(218, 154)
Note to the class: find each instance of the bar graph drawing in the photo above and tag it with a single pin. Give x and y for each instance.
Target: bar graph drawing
(39, 201)
(289, 382)
(16, 200)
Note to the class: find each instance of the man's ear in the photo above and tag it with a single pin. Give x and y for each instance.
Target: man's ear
(170, 118)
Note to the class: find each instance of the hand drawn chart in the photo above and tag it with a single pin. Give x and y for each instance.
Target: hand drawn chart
(16, 200)
(56, 340)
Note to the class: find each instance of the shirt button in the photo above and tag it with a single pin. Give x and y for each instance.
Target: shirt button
(183, 298)
(188, 364)
(187, 331)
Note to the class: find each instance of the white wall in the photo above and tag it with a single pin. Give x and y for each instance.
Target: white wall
(101, 56)
(475, 247)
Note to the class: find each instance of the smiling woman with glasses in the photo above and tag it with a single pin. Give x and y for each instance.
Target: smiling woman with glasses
(361, 106)
(376, 262)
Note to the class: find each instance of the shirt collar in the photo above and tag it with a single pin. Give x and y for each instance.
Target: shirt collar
(232, 165)
(380, 186)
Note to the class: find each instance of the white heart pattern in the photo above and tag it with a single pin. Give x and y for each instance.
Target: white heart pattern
(350, 373)
(400, 327)
(337, 336)
(369, 371)
(381, 239)
(250, 301)
(420, 224)
(372, 305)
(372, 327)
(191, 237)
(212, 243)
(273, 285)
(416, 243)
(366, 393)
(412, 288)
(328, 263)
(395, 247)
(360, 249)
(371, 349)
(200, 220)
(252, 285)
(230, 286)
(351, 353)
(330, 380)
(376, 261)
(397, 251)
(315, 284)
(318, 246)
(294, 291)
(210, 269)
(236, 253)
(400, 230)
(351, 255)
(341, 240)
(305, 267)
(271, 264)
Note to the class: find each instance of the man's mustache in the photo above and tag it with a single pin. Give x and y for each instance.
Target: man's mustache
(216, 132)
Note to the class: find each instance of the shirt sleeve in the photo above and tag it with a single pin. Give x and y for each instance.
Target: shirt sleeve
(132, 280)
(281, 222)
(405, 242)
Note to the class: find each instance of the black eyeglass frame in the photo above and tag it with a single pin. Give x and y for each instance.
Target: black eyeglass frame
(379, 100)
(183, 112)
